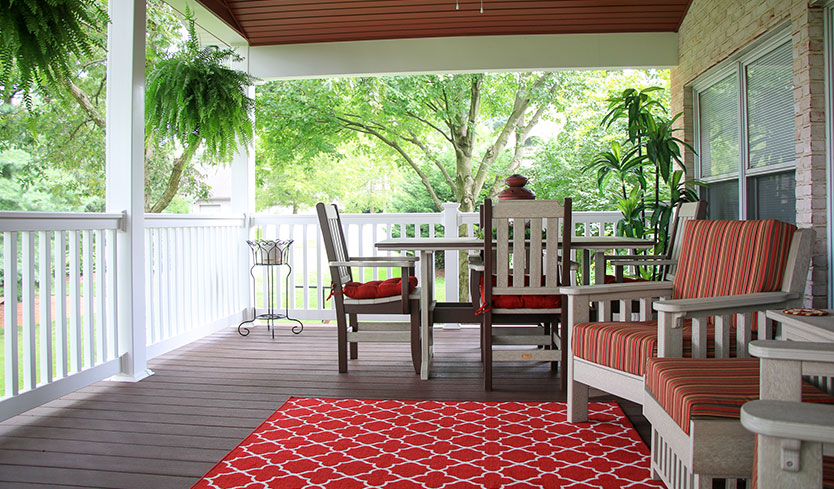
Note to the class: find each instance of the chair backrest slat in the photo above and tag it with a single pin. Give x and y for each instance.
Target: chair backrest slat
(334, 243)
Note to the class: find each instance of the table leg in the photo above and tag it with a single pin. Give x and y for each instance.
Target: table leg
(586, 267)
(426, 272)
(599, 266)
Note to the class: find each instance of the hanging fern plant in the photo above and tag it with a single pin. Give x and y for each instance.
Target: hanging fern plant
(40, 37)
(193, 97)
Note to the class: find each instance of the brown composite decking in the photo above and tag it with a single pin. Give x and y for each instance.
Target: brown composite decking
(204, 398)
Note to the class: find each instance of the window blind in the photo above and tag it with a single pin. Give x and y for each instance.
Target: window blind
(719, 128)
(770, 110)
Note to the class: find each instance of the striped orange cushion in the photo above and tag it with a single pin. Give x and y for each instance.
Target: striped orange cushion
(627, 346)
(720, 258)
(828, 472)
(697, 388)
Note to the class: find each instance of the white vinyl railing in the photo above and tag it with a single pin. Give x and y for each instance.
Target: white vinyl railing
(59, 296)
(192, 277)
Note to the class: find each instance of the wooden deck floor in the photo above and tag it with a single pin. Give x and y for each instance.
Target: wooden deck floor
(169, 429)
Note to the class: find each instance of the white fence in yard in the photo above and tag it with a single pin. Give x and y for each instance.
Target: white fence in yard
(60, 328)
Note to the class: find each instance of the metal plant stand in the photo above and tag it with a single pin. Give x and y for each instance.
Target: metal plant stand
(271, 254)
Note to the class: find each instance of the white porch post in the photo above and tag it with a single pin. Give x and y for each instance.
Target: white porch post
(125, 177)
(243, 195)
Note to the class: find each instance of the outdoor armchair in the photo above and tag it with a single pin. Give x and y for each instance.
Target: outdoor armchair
(395, 296)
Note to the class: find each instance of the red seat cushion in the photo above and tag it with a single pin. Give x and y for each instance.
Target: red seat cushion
(611, 279)
(721, 258)
(697, 388)
(378, 288)
(521, 301)
(626, 346)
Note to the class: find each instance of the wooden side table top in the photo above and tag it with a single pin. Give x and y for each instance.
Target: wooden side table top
(805, 328)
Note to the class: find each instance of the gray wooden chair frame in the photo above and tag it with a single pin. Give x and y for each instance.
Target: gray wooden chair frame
(542, 268)
(685, 211)
(350, 330)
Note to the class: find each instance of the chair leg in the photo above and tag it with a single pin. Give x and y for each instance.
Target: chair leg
(341, 333)
(577, 398)
(416, 345)
(354, 347)
(550, 329)
(486, 339)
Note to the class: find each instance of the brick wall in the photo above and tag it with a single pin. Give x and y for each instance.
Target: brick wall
(714, 30)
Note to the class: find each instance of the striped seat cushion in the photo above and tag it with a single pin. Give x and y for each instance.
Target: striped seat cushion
(696, 388)
(627, 346)
(720, 258)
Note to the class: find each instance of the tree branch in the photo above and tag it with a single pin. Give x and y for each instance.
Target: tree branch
(84, 102)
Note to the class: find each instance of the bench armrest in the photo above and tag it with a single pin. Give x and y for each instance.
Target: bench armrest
(648, 261)
(385, 258)
(790, 419)
(726, 304)
(373, 263)
(805, 351)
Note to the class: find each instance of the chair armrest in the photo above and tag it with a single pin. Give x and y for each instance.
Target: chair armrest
(730, 303)
(373, 264)
(790, 419)
(634, 257)
(647, 261)
(624, 291)
(805, 351)
(385, 258)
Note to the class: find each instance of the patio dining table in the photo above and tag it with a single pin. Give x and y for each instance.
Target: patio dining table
(428, 246)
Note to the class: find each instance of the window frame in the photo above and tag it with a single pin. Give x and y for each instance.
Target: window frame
(828, 52)
(737, 65)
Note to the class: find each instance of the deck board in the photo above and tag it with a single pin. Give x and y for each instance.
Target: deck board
(204, 398)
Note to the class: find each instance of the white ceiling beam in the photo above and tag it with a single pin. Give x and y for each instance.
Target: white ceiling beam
(465, 54)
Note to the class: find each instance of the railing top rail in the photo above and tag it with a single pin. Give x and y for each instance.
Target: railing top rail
(192, 220)
(20, 221)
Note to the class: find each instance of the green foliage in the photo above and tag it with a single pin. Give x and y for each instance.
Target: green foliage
(193, 98)
(41, 38)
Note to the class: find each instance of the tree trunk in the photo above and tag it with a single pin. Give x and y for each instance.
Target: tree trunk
(174, 180)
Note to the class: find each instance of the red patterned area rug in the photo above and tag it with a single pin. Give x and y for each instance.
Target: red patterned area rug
(349, 443)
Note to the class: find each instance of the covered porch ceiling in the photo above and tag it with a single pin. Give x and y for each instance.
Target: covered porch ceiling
(316, 38)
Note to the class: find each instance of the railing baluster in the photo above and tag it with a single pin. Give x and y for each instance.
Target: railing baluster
(159, 280)
(30, 370)
(150, 302)
(320, 285)
(87, 304)
(101, 324)
(305, 265)
(61, 339)
(110, 294)
(179, 281)
(45, 294)
(10, 334)
(75, 303)
(189, 283)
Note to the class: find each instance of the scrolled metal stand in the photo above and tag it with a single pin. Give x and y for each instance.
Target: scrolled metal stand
(271, 254)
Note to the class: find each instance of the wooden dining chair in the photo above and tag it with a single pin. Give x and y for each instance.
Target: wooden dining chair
(394, 296)
(521, 279)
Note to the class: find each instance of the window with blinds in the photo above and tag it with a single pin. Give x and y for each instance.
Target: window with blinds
(719, 128)
(745, 134)
(770, 112)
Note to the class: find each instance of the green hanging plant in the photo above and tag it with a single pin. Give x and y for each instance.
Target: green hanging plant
(193, 97)
(39, 39)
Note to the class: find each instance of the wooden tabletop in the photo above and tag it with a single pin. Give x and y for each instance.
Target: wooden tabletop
(583, 242)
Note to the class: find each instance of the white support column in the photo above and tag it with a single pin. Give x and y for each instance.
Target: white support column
(125, 177)
(243, 197)
(450, 227)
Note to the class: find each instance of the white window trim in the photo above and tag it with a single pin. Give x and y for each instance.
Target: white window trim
(736, 64)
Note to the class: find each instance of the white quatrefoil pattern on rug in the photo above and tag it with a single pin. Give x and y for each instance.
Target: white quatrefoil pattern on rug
(350, 443)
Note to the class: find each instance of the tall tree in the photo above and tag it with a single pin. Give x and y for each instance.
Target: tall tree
(417, 119)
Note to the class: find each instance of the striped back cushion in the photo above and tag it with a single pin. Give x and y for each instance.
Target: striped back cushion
(721, 258)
